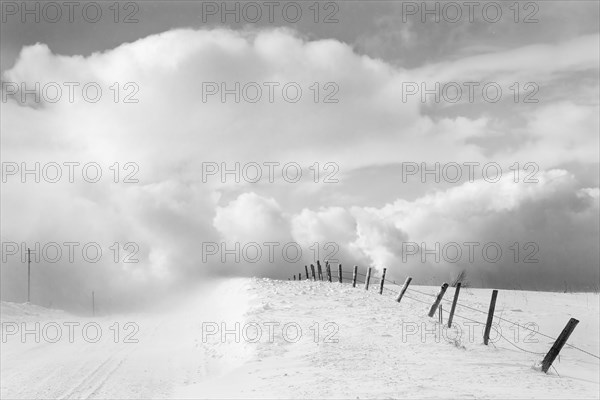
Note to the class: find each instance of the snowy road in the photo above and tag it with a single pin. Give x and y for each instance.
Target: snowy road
(138, 356)
(306, 340)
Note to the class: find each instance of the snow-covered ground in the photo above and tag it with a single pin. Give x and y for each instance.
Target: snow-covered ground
(259, 338)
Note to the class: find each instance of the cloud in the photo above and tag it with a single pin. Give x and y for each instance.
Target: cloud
(481, 217)
(170, 132)
(251, 218)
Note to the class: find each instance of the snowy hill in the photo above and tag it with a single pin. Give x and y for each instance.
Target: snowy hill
(27, 311)
(257, 338)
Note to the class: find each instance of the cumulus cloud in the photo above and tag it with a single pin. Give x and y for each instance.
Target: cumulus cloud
(505, 234)
(439, 234)
(170, 132)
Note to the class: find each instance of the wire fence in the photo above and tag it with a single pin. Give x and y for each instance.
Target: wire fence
(361, 279)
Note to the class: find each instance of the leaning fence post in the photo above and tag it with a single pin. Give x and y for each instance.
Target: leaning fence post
(354, 275)
(306, 270)
(456, 292)
(340, 273)
(382, 281)
(438, 299)
(406, 283)
(558, 345)
(312, 270)
(319, 271)
(367, 279)
(490, 318)
(328, 268)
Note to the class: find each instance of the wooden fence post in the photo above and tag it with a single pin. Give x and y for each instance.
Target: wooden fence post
(456, 292)
(440, 314)
(319, 271)
(340, 273)
(328, 268)
(294, 276)
(382, 281)
(354, 274)
(367, 279)
(490, 318)
(312, 270)
(558, 345)
(406, 283)
(306, 270)
(435, 304)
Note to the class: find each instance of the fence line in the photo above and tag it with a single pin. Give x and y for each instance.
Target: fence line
(498, 332)
(508, 321)
(555, 348)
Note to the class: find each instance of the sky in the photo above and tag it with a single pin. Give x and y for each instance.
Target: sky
(524, 212)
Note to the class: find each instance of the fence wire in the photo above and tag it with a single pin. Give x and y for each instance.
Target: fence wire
(375, 280)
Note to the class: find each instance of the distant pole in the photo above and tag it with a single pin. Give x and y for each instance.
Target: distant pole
(306, 270)
(406, 283)
(490, 318)
(558, 345)
(439, 297)
(440, 314)
(367, 279)
(340, 273)
(294, 276)
(312, 270)
(354, 275)
(93, 304)
(28, 275)
(456, 292)
(382, 281)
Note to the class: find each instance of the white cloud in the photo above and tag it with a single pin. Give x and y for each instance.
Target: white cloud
(251, 218)
(171, 132)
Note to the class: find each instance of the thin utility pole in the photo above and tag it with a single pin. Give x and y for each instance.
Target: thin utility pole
(28, 275)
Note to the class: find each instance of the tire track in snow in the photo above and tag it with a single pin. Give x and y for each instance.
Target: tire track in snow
(93, 382)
